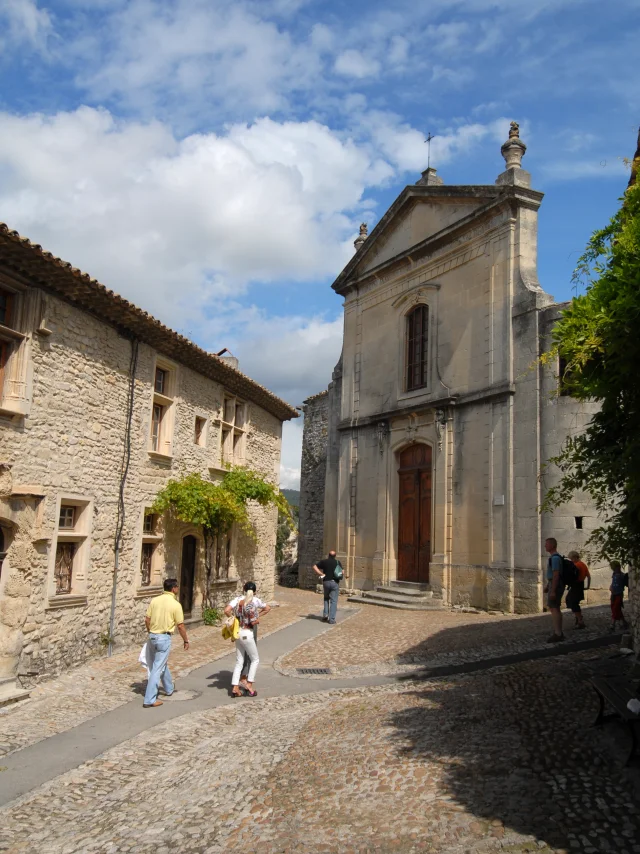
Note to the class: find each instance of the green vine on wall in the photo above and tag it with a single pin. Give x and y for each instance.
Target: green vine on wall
(217, 507)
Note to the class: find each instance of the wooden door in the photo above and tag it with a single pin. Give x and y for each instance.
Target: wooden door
(414, 519)
(187, 573)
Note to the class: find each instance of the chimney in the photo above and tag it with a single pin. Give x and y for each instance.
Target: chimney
(228, 358)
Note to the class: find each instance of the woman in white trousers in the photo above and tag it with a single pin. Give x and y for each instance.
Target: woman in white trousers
(247, 613)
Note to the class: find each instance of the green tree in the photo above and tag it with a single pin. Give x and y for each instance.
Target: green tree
(216, 508)
(598, 337)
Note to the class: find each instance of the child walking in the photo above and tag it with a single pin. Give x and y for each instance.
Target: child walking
(618, 582)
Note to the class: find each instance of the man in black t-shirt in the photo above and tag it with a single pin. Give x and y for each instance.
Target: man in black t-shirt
(326, 569)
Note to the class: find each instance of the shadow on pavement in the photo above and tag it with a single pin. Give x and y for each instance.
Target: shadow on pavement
(221, 680)
(516, 633)
(516, 748)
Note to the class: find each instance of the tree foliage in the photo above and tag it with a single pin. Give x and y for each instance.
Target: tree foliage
(217, 507)
(598, 337)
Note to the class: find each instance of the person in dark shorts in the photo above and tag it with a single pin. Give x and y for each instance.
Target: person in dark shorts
(619, 580)
(554, 588)
(575, 594)
(330, 572)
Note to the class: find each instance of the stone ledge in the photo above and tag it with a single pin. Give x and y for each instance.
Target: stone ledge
(66, 601)
(146, 592)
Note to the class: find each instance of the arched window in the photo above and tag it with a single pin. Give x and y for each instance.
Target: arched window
(417, 347)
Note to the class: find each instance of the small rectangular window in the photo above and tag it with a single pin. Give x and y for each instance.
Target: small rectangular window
(65, 554)
(198, 436)
(579, 520)
(156, 426)
(146, 562)
(6, 304)
(149, 526)
(160, 385)
(67, 519)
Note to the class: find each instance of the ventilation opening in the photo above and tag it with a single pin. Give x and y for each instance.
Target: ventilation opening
(314, 671)
(578, 520)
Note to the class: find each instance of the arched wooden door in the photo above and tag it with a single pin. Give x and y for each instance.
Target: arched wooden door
(414, 526)
(187, 573)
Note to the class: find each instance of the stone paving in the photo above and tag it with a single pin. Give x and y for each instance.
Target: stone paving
(502, 760)
(103, 684)
(384, 641)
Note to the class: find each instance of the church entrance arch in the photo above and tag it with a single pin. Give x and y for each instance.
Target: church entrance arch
(414, 518)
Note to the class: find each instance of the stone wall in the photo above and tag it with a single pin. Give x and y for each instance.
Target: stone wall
(312, 486)
(70, 446)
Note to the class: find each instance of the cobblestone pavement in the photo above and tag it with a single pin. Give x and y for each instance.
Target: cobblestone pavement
(103, 684)
(502, 760)
(382, 640)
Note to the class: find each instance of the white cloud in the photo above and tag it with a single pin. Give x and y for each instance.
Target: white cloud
(174, 223)
(291, 454)
(23, 22)
(353, 63)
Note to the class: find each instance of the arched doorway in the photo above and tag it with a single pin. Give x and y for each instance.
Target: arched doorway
(187, 572)
(414, 518)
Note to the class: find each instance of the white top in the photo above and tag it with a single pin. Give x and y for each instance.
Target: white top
(258, 602)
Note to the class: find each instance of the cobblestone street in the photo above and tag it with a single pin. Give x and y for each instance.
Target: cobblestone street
(500, 760)
(103, 684)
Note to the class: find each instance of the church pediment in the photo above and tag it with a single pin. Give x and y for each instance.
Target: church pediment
(418, 214)
(423, 219)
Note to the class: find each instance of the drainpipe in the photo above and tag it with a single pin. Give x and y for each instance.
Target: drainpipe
(124, 471)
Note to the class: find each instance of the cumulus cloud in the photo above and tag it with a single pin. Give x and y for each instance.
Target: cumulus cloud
(22, 22)
(353, 63)
(173, 223)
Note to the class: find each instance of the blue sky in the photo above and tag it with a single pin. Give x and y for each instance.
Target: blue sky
(212, 160)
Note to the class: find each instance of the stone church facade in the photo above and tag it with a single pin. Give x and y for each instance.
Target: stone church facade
(424, 460)
(90, 382)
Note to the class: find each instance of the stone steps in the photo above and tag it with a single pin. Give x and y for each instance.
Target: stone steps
(402, 595)
(10, 692)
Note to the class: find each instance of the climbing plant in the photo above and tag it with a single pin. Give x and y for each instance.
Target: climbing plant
(598, 339)
(216, 508)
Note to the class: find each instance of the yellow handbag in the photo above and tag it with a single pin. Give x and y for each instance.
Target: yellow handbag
(231, 629)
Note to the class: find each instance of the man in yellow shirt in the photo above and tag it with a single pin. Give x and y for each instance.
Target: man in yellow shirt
(164, 615)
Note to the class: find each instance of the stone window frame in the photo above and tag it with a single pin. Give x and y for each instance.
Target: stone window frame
(153, 538)
(200, 436)
(162, 447)
(16, 365)
(425, 294)
(234, 426)
(80, 536)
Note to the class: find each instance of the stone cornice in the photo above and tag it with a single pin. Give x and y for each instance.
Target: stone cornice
(485, 395)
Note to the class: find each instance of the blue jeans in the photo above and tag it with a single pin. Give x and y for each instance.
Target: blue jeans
(161, 647)
(331, 593)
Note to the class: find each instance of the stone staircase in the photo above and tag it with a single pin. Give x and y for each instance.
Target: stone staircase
(10, 692)
(403, 595)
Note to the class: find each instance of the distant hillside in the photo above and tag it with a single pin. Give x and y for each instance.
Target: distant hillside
(292, 496)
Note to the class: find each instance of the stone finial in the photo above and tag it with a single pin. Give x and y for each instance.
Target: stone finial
(514, 148)
(513, 151)
(360, 239)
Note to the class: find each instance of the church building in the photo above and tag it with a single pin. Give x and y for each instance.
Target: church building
(425, 459)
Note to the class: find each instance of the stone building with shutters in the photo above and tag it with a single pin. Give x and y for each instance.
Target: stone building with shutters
(91, 386)
(439, 419)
